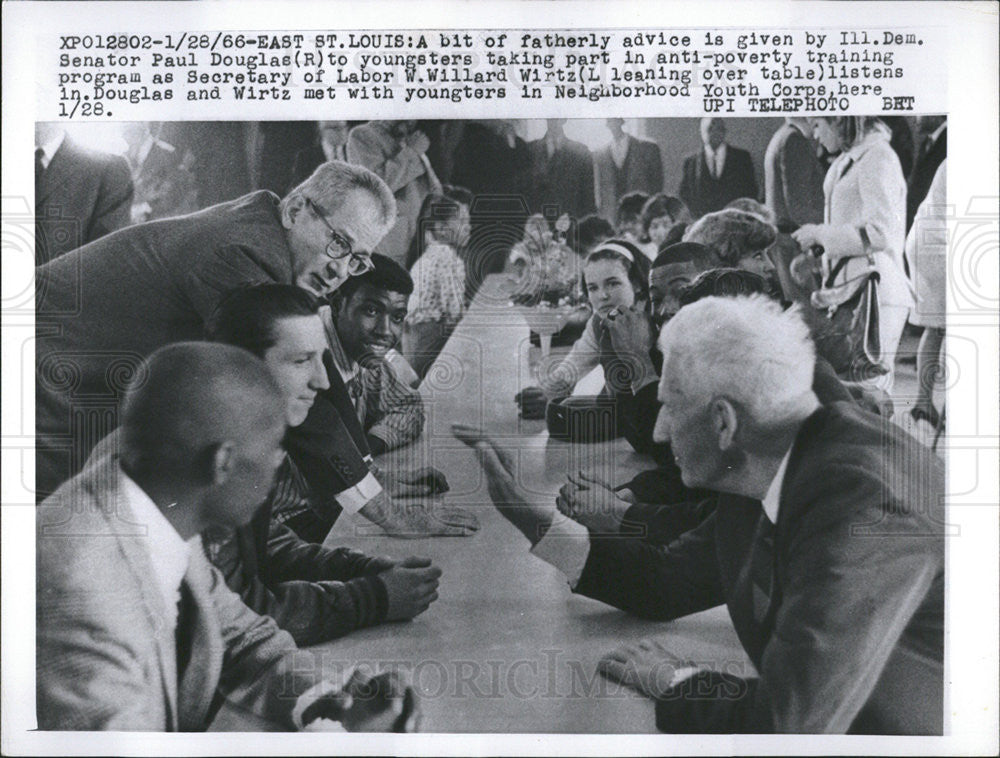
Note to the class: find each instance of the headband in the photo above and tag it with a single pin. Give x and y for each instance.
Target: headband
(615, 247)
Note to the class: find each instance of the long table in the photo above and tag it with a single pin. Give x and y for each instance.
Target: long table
(508, 647)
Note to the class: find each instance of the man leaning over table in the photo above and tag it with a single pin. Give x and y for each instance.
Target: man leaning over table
(828, 549)
(135, 630)
(104, 307)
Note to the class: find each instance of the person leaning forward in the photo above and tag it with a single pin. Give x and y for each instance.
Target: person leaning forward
(104, 307)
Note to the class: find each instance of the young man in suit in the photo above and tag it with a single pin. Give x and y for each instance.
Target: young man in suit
(826, 543)
(627, 164)
(562, 173)
(80, 194)
(716, 174)
(314, 592)
(135, 630)
(368, 314)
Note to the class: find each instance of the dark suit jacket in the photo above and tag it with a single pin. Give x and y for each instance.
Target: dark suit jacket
(106, 658)
(929, 157)
(565, 180)
(82, 196)
(703, 193)
(793, 179)
(853, 638)
(642, 171)
(101, 309)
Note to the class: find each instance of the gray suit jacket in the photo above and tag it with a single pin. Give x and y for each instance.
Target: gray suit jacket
(642, 172)
(106, 657)
(83, 195)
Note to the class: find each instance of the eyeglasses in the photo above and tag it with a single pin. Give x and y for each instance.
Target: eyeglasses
(338, 247)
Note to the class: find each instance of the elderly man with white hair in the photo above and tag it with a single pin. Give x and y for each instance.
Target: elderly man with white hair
(826, 544)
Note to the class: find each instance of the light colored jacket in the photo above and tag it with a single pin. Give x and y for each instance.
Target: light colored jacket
(106, 652)
(864, 188)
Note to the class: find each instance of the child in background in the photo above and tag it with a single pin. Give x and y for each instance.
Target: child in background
(438, 300)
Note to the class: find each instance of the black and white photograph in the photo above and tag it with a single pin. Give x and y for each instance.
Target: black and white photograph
(617, 385)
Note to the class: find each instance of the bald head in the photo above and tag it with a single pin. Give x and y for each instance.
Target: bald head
(197, 396)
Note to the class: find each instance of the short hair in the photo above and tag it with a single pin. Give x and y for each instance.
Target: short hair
(745, 348)
(635, 263)
(591, 230)
(437, 207)
(663, 205)
(723, 282)
(386, 275)
(630, 206)
(732, 234)
(245, 317)
(193, 395)
(332, 180)
(757, 208)
(680, 252)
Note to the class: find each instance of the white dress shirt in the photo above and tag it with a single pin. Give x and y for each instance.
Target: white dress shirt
(716, 159)
(51, 147)
(168, 553)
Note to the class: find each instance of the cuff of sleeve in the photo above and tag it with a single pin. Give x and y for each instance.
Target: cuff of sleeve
(353, 499)
(566, 546)
(309, 697)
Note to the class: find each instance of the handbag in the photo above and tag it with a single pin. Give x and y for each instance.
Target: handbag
(847, 334)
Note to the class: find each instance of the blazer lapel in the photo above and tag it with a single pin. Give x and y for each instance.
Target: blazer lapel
(198, 682)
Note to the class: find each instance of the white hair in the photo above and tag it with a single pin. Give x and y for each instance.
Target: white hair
(745, 348)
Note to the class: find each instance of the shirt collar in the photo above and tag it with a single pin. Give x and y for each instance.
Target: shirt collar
(50, 147)
(937, 132)
(772, 498)
(168, 552)
(719, 151)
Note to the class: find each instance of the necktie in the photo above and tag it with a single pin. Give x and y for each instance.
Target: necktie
(184, 631)
(762, 568)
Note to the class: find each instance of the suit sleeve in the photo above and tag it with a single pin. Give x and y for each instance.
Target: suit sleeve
(801, 179)
(291, 557)
(662, 524)
(114, 202)
(651, 581)
(364, 148)
(846, 600)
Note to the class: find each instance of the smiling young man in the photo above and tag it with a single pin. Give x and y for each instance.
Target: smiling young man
(314, 592)
(368, 319)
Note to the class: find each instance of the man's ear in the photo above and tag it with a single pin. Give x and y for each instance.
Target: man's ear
(724, 422)
(291, 208)
(223, 462)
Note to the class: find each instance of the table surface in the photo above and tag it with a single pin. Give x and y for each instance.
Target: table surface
(508, 647)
